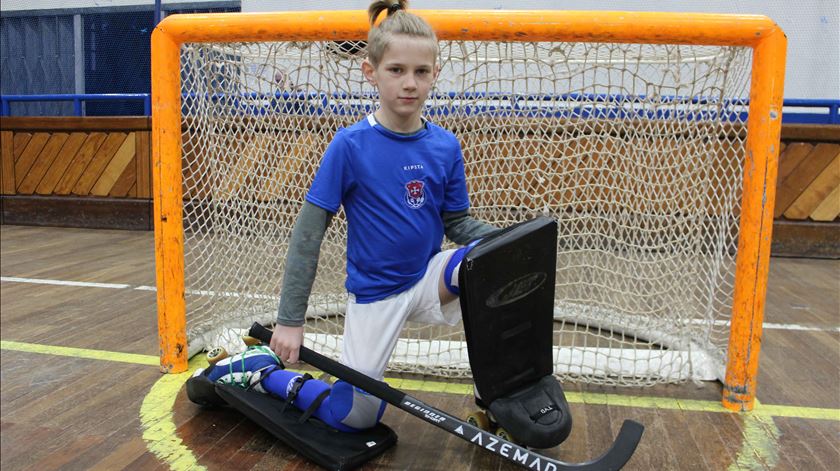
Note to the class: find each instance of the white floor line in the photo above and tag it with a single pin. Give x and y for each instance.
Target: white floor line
(87, 284)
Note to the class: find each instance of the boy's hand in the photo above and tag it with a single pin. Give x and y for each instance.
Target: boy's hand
(286, 342)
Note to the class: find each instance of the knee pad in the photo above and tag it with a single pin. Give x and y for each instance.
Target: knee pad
(357, 408)
(453, 266)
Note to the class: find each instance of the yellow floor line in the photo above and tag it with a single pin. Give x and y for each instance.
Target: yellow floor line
(80, 353)
(759, 442)
(157, 420)
(797, 412)
(759, 448)
(619, 400)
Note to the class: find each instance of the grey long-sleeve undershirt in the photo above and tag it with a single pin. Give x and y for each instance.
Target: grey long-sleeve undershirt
(305, 247)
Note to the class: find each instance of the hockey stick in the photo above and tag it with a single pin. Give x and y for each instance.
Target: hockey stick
(615, 458)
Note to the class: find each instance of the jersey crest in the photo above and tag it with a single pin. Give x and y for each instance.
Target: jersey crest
(415, 194)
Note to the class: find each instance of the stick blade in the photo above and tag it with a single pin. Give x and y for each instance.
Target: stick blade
(619, 453)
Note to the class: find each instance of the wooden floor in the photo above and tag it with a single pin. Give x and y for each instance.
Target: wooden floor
(80, 389)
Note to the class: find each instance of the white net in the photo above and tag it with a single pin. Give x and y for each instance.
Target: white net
(636, 150)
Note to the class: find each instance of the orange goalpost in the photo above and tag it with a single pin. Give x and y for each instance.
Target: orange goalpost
(760, 149)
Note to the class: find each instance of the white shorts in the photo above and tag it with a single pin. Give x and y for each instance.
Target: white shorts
(371, 330)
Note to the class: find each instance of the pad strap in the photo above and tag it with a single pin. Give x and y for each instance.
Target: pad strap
(314, 406)
(295, 388)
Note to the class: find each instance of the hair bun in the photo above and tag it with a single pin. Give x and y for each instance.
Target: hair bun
(394, 7)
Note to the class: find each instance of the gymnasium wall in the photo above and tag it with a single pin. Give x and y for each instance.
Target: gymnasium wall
(812, 27)
(96, 172)
(77, 172)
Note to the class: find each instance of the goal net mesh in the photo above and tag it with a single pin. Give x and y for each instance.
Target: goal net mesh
(636, 150)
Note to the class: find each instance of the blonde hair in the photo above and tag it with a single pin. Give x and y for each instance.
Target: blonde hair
(398, 22)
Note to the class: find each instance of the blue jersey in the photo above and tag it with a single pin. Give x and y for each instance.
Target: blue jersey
(393, 188)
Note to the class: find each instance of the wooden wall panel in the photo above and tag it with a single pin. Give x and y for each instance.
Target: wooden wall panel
(77, 172)
(797, 182)
(42, 163)
(143, 169)
(817, 192)
(790, 158)
(829, 209)
(79, 156)
(111, 157)
(113, 142)
(122, 186)
(117, 164)
(7, 163)
(61, 163)
(20, 141)
(28, 156)
(79, 162)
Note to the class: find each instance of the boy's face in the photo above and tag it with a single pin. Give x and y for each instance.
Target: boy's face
(404, 77)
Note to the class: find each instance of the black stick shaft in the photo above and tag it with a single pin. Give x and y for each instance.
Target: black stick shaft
(377, 388)
(618, 455)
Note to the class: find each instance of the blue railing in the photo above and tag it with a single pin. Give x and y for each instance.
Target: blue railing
(569, 105)
(810, 111)
(795, 116)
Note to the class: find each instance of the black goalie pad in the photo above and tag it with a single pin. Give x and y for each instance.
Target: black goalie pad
(311, 438)
(507, 304)
(324, 445)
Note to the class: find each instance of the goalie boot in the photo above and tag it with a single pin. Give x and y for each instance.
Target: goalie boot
(243, 369)
(507, 303)
(305, 413)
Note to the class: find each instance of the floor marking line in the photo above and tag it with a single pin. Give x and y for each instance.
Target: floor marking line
(760, 443)
(87, 284)
(436, 386)
(759, 449)
(799, 412)
(158, 423)
(45, 281)
(80, 353)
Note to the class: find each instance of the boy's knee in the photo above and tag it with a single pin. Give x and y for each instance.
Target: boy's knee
(359, 409)
(451, 271)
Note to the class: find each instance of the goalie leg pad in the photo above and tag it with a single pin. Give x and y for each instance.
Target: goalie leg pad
(241, 381)
(507, 303)
(342, 406)
(313, 439)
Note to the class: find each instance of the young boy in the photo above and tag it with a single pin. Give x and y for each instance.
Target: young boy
(401, 181)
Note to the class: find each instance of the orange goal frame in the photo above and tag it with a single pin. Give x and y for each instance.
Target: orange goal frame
(766, 39)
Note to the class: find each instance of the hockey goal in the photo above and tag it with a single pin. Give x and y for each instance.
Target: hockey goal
(630, 129)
